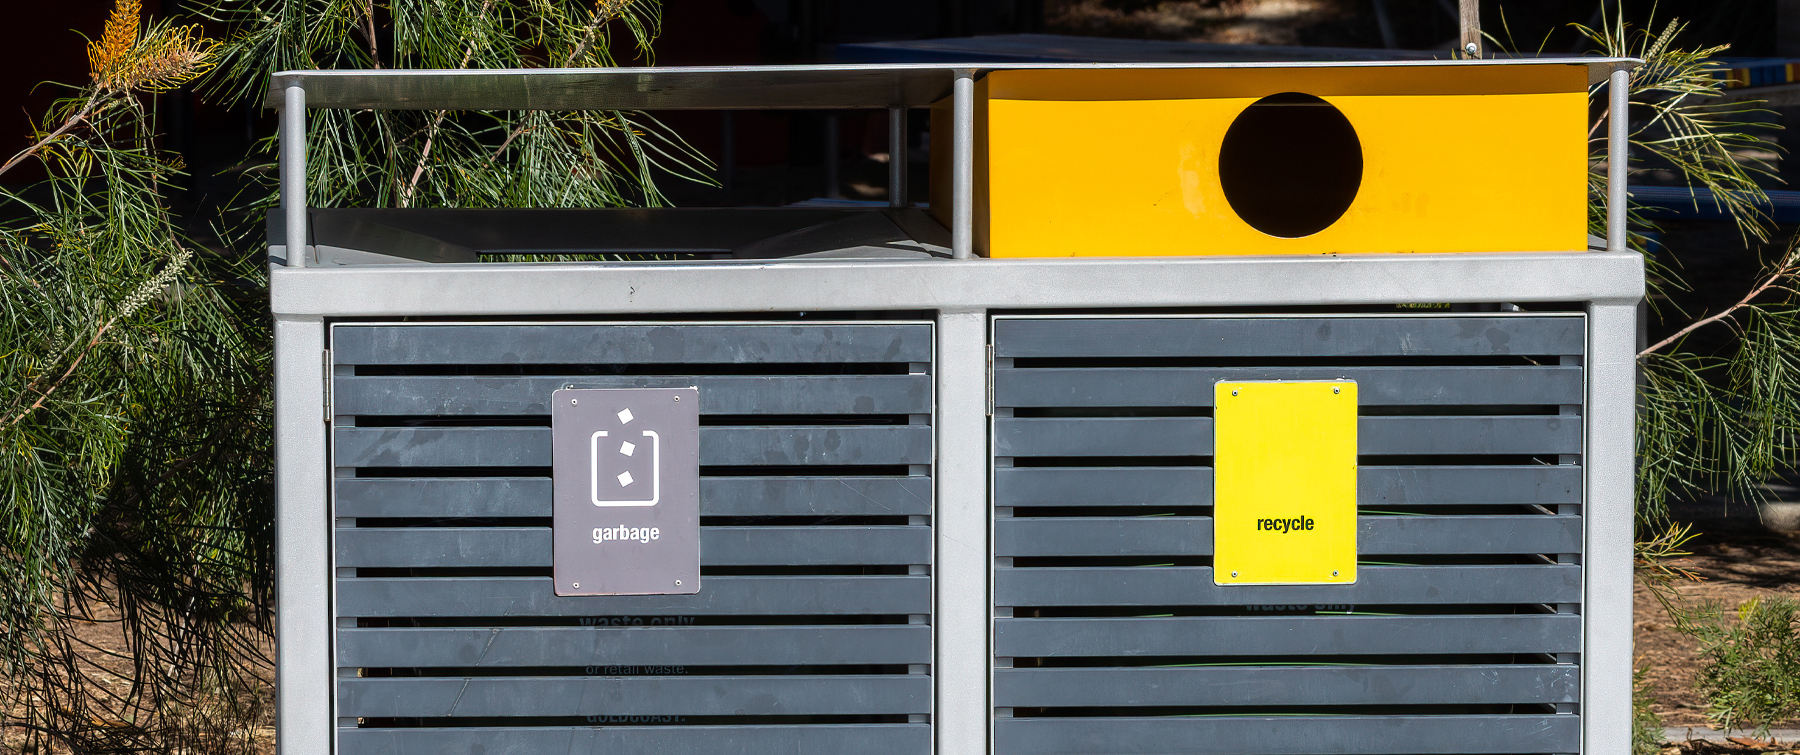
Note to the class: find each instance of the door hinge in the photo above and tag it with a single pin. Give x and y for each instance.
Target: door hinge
(990, 380)
(325, 368)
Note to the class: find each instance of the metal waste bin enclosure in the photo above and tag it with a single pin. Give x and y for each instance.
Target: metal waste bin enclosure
(947, 503)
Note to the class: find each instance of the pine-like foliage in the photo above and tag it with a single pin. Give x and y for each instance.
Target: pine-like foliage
(134, 431)
(1720, 422)
(450, 159)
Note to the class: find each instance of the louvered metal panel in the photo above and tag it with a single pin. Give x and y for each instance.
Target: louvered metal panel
(477, 395)
(811, 631)
(841, 694)
(644, 735)
(795, 445)
(1128, 485)
(848, 495)
(1288, 685)
(1462, 633)
(418, 547)
(1290, 735)
(489, 647)
(756, 595)
(1192, 535)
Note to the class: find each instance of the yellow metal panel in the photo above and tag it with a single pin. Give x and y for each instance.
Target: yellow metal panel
(1284, 482)
(1499, 166)
(1189, 84)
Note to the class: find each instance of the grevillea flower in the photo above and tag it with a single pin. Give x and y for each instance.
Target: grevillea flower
(162, 58)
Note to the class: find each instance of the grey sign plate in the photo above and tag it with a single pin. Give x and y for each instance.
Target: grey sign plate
(627, 491)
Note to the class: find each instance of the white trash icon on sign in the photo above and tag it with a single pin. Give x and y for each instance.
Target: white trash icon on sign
(621, 470)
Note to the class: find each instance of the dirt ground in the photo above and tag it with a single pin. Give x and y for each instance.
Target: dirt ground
(105, 660)
(1736, 746)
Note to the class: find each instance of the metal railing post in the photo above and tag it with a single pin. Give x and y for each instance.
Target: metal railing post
(1618, 155)
(293, 171)
(962, 166)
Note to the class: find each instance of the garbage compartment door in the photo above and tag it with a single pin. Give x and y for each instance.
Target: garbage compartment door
(811, 629)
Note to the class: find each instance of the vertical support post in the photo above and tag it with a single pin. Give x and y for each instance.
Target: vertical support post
(960, 525)
(303, 624)
(1618, 156)
(1469, 21)
(1607, 528)
(897, 157)
(1611, 468)
(293, 171)
(962, 166)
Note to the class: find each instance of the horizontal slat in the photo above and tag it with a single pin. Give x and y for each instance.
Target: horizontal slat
(1539, 484)
(806, 546)
(1376, 486)
(1193, 436)
(425, 547)
(1412, 535)
(446, 497)
(1285, 635)
(1375, 386)
(771, 343)
(719, 394)
(1104, 436)
(441, 447)
(1104, 536)
(683, 645)
(1375, 585)
(1103, 486)
(1468, 435)
(808, 496)
(1289, 735)
(791, 595)
(1376, 535)
(635, 696)
(1286, 685)
(1419, 335)
(449, 497)
(805, 739)
(719, 446)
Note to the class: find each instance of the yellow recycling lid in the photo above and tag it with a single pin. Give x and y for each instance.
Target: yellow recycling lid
(1271, 160)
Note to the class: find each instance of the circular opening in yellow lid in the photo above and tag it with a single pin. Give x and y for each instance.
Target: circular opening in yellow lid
(1290, 165)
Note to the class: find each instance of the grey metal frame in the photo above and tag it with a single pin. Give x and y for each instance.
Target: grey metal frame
(819, 87)
(963, 292)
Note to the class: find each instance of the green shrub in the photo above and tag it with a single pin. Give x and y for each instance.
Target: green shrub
(1646, 726)
(1750, 672)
